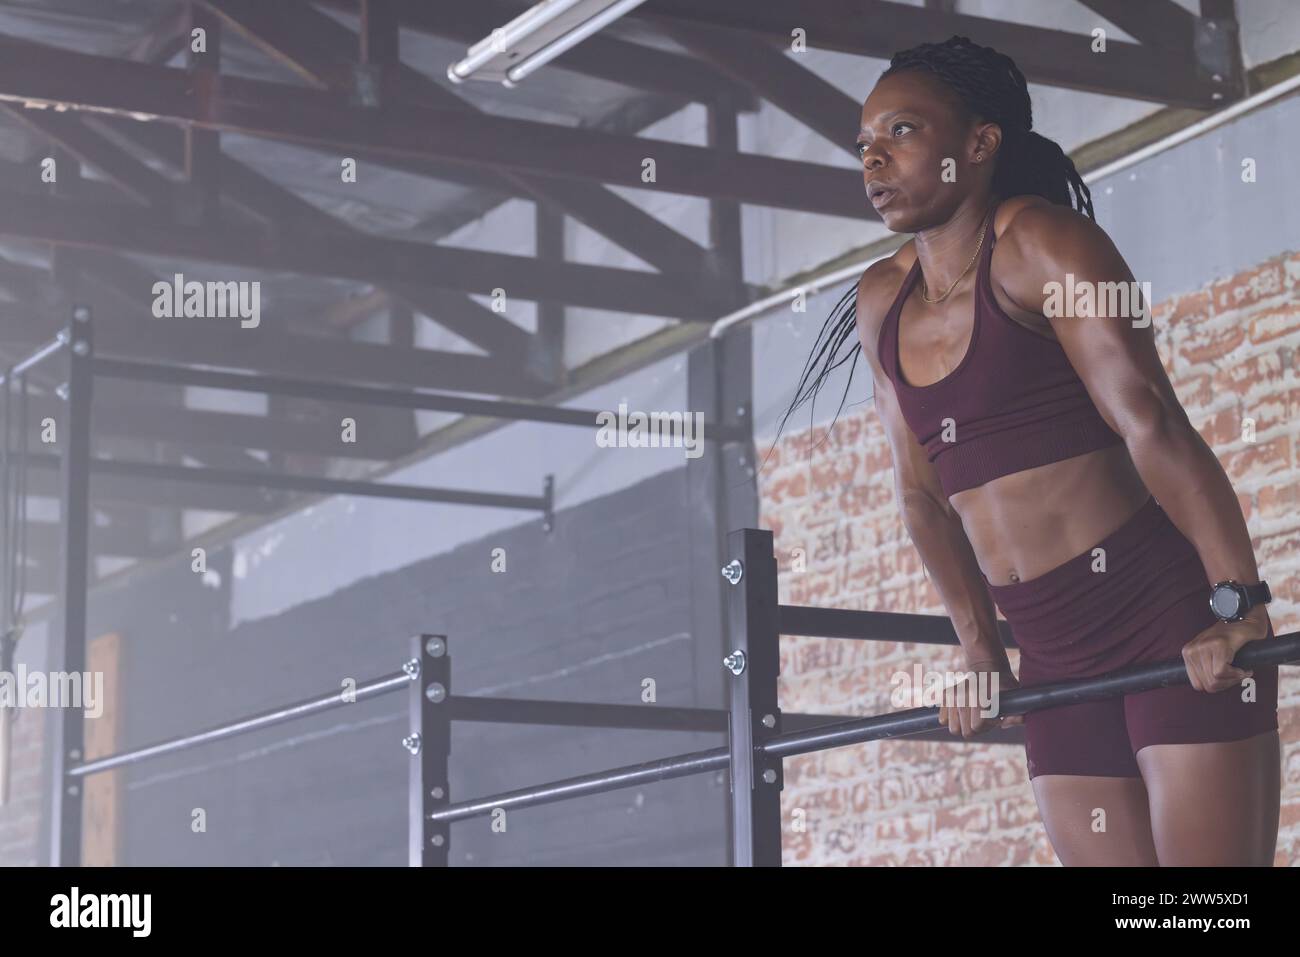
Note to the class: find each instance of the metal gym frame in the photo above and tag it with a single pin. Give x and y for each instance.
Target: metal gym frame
(76, 465)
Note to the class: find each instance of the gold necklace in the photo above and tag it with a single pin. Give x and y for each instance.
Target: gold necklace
(978, 246)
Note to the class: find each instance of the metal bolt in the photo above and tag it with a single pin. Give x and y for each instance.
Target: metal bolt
(437, 840)
(735, 662)
(436, 792)
(73, 789)
(74, 754)
(412, 668)
(62, 336)
(435, 693)
(62, 391)
(769, 776)
(740, 411)
(435, 647)
(1217, 78)
(1211, 25)
(769, 721)
(412, 742)
(81, 347)
(733, 571)
(81, 314)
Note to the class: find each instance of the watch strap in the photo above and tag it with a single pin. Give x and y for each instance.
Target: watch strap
(1257, 594)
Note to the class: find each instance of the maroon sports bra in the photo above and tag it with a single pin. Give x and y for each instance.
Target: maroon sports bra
(1014, 401)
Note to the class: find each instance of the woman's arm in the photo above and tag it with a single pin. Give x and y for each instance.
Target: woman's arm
(1116, 357)
(935, 528)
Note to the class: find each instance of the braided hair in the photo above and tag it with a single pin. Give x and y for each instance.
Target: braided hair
(989, 85)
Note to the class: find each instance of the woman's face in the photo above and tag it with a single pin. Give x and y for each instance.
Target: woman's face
(916, 147)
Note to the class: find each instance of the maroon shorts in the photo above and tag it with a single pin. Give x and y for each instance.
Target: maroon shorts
(1073, 622)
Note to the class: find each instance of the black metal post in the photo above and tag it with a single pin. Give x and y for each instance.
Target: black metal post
(68, 649)
(430, 747)
(754, 661)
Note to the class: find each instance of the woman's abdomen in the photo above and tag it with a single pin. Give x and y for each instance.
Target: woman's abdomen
(1029, 522)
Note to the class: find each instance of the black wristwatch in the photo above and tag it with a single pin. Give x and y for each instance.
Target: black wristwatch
(1231, 600)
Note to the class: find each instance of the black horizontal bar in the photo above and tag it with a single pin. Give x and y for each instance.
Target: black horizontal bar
(579, 714)
(301, 709)
(583, 714)
(1135, 678)
(857, 731)
(873, 625)
(136, 371)
(300, 483)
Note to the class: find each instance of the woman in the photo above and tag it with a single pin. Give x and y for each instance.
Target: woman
(1044, 463)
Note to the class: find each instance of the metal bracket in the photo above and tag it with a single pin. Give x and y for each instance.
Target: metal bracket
(1214, 46)
(367, 85)
(548, 508)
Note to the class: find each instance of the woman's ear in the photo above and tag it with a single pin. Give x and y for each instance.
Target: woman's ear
(987, 140)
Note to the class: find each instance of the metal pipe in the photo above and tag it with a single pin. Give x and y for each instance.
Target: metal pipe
(135, 371)
(301, 709)
(1140, 678)
(571, 39)
(662, 769)
(873, 625)
(40, 355)
(582, 714)
(312, 483)
(1020, 701)
(299, 483)
(501, 39)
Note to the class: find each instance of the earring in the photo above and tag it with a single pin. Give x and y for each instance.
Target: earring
(979, 156)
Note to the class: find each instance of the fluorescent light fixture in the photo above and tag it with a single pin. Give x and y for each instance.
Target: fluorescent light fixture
(535, 37)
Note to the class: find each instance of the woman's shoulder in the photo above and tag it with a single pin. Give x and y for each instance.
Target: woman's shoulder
(1033, 222)
(880, 283)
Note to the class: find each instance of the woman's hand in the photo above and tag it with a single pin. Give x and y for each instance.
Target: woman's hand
(965, 719)
(1209, 655)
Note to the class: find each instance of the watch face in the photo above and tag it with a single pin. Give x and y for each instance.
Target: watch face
(1225, 601)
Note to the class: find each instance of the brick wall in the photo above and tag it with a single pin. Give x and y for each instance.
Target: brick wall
(1231, 352)
(20, 819)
